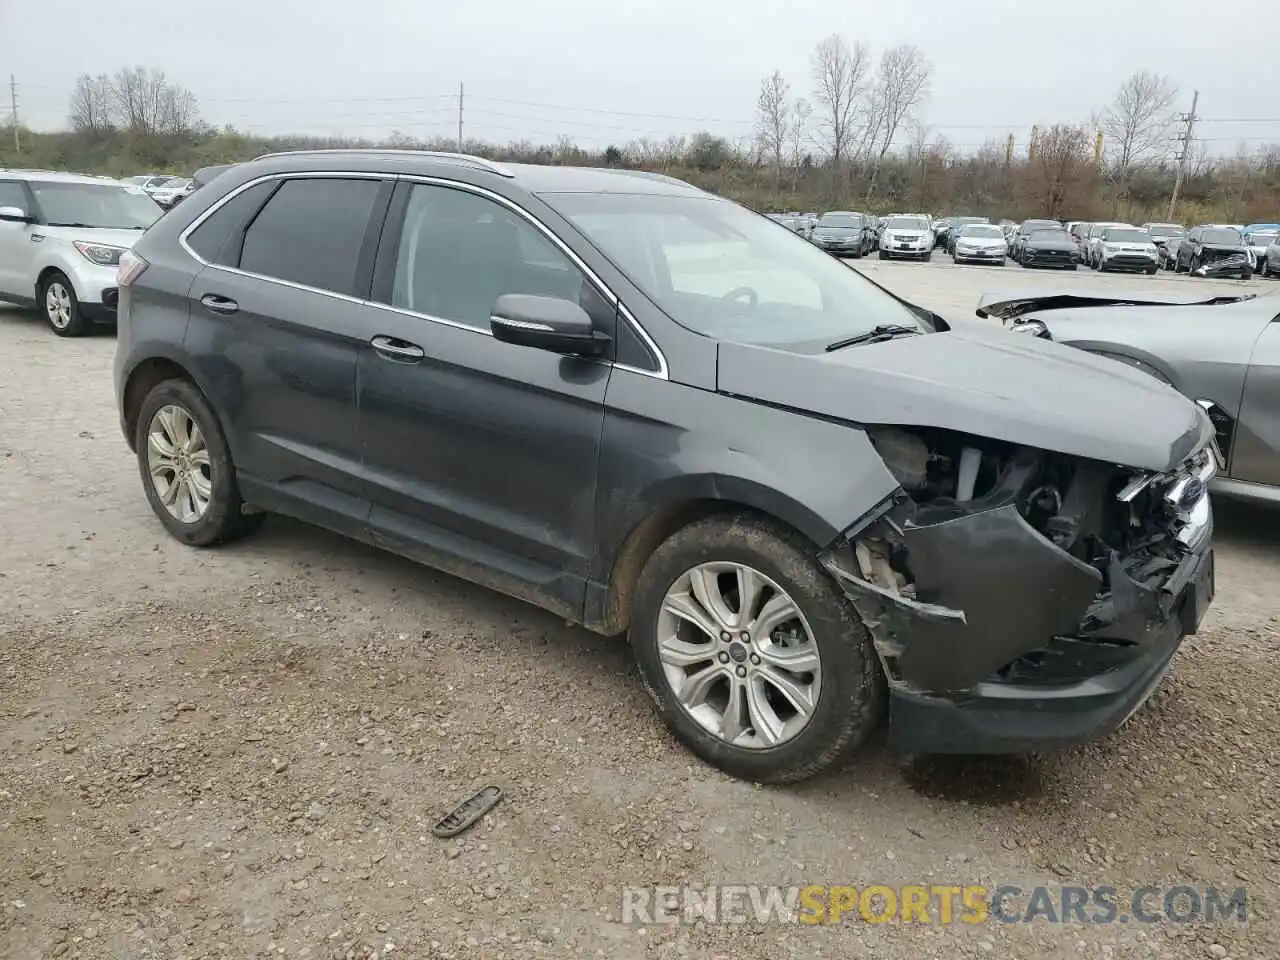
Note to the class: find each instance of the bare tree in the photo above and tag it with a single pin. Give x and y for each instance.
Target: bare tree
(91, 105)
(772, 119)
(1059, 168)
(1138, 122)
(839, 73)
(902, 82)
(797, 135)
(147, 103)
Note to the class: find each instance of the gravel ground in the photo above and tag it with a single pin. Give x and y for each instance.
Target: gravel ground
(240, 752)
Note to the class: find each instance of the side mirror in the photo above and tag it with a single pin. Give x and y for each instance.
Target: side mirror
(546, 323)
(15, 215)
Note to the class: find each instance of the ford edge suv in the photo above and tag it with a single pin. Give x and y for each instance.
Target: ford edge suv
(647, 409)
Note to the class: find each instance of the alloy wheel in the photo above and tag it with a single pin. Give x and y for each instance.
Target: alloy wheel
(738, 655)
(179, 464)
(57, 305)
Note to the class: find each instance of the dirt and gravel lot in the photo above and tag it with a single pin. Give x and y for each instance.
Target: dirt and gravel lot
(240, 752)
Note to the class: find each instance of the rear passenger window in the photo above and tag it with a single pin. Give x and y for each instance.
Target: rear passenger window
(211, 240)
(311, 232)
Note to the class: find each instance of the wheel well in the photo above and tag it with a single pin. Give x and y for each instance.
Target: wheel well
(142, 380)
(643, 540)
(45, 274)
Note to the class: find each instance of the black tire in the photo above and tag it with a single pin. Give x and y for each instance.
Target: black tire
(883, 255)
(1193, 265)
(224, 520)
(76, 324)
(852, 696)
(1151, 271)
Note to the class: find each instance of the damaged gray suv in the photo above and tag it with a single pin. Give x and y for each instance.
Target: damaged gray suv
(807, 502)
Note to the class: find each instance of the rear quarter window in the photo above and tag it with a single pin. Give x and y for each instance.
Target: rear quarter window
(217, 239)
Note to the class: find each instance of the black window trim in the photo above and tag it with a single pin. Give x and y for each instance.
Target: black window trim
(662, 371)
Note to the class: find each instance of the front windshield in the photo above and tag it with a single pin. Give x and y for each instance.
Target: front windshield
(723, 272)
(1165, 230)
(908, 223)
(981, 232)
(1263, 238)
(968, 220)
(110, 206)
(1033, 225)
(1048, 235)
(1221, 235)
(1120, 235)
(840, 220)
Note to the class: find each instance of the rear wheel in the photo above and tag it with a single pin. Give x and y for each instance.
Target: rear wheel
(186, 467)
(62, 307)
(754, 657)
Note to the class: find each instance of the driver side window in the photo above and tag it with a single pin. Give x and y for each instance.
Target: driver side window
(460, 251)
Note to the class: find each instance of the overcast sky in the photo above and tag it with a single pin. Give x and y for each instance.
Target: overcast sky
(608, 72)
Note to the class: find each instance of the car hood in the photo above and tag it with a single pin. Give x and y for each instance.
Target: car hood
(103, 235)
(988, 383)
(980, 241)
(912, 233)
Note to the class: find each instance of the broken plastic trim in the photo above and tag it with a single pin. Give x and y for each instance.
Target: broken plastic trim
(988, 589)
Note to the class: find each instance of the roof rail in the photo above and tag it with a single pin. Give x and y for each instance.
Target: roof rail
(478, 162)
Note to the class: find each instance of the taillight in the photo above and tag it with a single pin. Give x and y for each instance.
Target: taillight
(131, 267)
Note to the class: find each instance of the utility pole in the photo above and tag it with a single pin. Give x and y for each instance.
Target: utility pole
(459, 116)
(1190, 120)
(13, 103)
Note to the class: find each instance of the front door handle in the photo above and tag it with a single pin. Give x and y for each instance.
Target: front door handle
(216, 304)
(395, 349)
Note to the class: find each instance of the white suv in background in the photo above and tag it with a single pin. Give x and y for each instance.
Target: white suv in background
(61, 237)
(906, 235)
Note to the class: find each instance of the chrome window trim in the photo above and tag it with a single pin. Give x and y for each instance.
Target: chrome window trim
(662, 373)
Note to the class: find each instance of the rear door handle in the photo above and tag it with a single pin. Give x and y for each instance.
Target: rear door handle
(401, 351)
(216, 304)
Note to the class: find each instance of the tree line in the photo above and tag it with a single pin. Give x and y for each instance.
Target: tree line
(858, 140)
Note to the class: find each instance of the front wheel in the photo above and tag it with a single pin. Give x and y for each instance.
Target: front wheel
(62, 307)
(186, 467)
(754, 657)
(883, 255)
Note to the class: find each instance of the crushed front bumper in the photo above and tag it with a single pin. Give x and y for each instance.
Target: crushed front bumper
(1011, 644)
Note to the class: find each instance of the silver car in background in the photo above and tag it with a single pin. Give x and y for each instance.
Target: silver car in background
(1222, 352)
(980, 243)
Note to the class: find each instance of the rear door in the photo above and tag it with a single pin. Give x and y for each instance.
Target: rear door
(277, 318)
(481, 455)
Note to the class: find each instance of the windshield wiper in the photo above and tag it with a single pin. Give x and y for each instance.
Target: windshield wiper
(884, 331)
(83, 226)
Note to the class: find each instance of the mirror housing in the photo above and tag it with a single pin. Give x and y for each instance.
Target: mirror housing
(546, 323)
(15, 215)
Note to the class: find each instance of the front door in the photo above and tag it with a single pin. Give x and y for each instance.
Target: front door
(481, 456)
(1255, 448)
